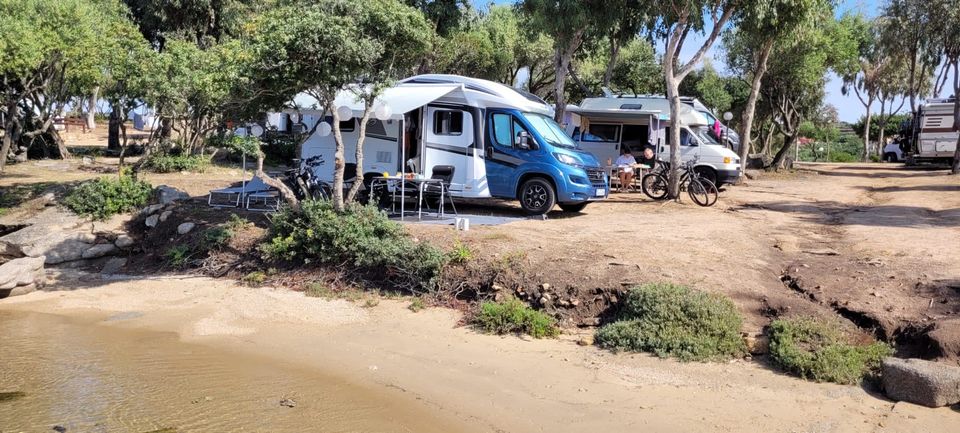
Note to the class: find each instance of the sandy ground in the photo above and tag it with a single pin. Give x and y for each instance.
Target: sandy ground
(497, 384)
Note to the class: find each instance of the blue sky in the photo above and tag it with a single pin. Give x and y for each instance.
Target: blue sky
(849, 107)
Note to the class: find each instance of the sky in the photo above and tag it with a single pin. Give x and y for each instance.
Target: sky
(849, 107)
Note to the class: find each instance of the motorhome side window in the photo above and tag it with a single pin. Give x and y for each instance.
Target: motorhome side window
(447, 122)
(502, 134)
(602, 133)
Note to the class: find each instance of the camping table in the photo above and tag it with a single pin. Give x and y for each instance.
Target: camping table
(421, 184)
(614, 171)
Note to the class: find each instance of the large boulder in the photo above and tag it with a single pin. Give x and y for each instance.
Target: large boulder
(922, 382)
(99, 250)
(946, 338)
(23, 275)
(44, 231)
(169, 194)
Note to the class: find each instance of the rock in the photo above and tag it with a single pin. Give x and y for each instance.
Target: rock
(17, 291)
(185, 228)
(99, 250)
(123, 241)
(114, 224)
(591, 321)
(166, 214)
(822, 252)
(564, 303)
(43, 231)
(67, 250)
(545, 286)
(288, 402)
(946, 338)
(113, 265)
(21, 157)
(586, 340)
(922, 382)
(169, 194)
(152, 209)
(48, 199)
(544, 300)
(574, 302)
(757, 344)
(86, 160)
(21, 272)
(152, 220)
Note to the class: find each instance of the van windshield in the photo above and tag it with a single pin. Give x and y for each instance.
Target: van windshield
(549, 130)
(704, 135)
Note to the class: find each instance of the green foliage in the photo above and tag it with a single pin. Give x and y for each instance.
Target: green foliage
(166, 163)
(361, 236)
(416, 305)
(819, 350)
(254, 278)
(318, 290)
(514, 317)
(108, 196)
(216, 237)
(460, 253)
(673, 320)
(244, 145)
(280, 148)
(178, 256)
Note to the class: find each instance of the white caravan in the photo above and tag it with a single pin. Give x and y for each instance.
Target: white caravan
(603, 125)
(934, 137)
(498, 141)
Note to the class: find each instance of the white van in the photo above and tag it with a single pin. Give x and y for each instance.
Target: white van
(603, 125)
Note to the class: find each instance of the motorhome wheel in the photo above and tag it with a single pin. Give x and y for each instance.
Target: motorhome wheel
(537, 196)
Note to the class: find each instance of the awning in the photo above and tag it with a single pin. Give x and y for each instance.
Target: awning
(619, 115)
(401, 99)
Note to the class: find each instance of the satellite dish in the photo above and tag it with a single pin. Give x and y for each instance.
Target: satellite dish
(345, 113)
(383, 112)
(256, 130)
(324, 129)
(240, 132)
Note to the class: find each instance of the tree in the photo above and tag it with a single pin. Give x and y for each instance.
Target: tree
(569, 23)
(625, 20)
(906, 31)
(363, 46)
(749, 46)
(677, 19)
(51, 51)
(709, 87)
(446, 15)
(203, 22)
(875, 63)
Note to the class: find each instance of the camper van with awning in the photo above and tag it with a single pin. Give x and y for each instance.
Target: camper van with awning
(499, 142)
(603, 125)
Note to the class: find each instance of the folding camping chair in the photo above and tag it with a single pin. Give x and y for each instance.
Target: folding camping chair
(442, 175)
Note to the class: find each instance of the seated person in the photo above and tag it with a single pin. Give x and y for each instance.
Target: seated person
(625, 165)
(648, 158)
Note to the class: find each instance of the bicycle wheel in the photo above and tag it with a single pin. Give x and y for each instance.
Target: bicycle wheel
(654, 185)
(702, 192)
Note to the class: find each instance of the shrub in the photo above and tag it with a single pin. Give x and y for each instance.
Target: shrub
(108, 196)
(674, 320)
(821, 351)
(842, 157)
(460, 253)
(166, 163)
(361, 236)
(514, 317)
(254, 278)
(280, 147)
(178, 256)
(216, 237)
(416, 305)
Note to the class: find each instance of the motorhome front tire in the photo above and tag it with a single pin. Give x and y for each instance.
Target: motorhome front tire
(537, 196)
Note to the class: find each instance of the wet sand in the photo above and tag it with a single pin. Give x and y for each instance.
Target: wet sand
(450, 374)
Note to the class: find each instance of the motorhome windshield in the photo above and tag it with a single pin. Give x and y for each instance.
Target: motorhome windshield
(705, 135)
(549, 130)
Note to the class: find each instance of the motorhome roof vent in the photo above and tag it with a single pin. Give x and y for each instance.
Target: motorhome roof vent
(631, 107)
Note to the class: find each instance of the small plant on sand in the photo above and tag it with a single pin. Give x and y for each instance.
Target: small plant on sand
(370, 302)
(673, 320)
(318, 290)
(178, 256)
(820, 350)
(254, 278)
(216, 237)
(416, 305)
(460, 253)
(514, 317)
(108, 196)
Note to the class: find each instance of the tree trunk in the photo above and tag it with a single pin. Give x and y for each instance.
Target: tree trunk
(788, 141)
(113, 131)
(612, 62)
(561, 64)
(92, 109)
(749, 110)
(8, 132)
(882, 123)
(355, 188)
(955, 169)
(338, 163)
(285, 192)
(673, 95)
(866, 131)
(61, 145)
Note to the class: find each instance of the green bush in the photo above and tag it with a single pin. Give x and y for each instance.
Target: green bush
(178, 256)
(821, 351)
(280, 147)
(361, 237)
(514, 317)
(166, 163)
(674, 320)
(842, 157)
(108, 196)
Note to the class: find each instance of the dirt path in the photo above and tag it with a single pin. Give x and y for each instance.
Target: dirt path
(496, 384)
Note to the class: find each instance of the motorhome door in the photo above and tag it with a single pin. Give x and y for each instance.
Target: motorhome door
(448, 136)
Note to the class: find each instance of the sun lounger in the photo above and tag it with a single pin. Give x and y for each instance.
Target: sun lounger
(237, 196)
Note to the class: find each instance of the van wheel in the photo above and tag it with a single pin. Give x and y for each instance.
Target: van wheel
(707, 173)
(573, 207)
(537, 196)
(890, 157)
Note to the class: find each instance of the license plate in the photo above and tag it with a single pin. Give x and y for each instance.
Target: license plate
(601, 192)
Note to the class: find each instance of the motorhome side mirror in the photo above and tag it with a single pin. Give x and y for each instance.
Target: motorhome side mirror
(523, 140)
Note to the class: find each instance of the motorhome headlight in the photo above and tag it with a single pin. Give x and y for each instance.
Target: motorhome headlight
(727, 160)
(567, 159)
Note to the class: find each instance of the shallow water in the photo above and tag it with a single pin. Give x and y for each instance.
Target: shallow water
(87, 377)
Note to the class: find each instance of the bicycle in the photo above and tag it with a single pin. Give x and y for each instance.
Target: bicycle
(304, 182)
(701, 190)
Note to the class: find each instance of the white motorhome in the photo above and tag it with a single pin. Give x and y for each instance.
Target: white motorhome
(603, 125)
(934, 138)
(498, 141)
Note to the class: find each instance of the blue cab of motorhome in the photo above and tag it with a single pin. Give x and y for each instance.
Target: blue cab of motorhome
(528, 157)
